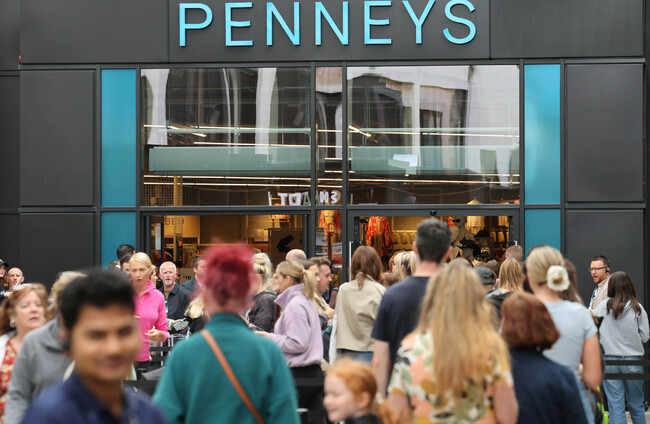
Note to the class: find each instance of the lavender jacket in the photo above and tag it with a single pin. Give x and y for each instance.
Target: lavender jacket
(297, 332)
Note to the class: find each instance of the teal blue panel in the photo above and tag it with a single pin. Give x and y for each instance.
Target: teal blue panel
(118, 137)
(543, 227)
(117, 228)
(542, 134)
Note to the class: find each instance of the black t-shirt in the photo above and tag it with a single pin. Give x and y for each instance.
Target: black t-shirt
(399, 312)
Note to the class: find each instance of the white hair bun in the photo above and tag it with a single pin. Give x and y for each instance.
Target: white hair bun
(557, 278)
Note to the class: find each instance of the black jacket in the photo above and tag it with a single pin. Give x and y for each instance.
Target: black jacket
(366, 419)
(177, 301)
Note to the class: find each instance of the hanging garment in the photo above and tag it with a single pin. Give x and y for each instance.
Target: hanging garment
(379, 225)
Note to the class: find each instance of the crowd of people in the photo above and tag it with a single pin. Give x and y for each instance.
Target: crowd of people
(428, 340)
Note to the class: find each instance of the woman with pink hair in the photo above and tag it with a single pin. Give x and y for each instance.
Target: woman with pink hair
(255, 384)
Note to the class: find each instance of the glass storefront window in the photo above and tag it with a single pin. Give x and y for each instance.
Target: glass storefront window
(329, 134)
(226, 136)
(477, 238)
(181, 238)
(433, 134)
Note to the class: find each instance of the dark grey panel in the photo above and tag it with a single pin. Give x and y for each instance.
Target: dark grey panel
(616, 234)
(560, 28)
(604, 121)
(10, 239)
(9, 142)
(209, 44)
(93, 31)
(51, 243)
(56, 133)
(9, 34)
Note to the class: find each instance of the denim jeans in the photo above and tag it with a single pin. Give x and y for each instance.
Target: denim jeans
(586, 404)
(618, 390)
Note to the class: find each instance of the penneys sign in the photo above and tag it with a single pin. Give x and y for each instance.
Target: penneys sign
(222, 30)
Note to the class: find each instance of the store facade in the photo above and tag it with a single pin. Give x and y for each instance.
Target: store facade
(321, 125)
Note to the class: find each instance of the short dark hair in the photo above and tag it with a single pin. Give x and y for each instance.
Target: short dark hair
(124, 249)
(195, 264)
(321, 261)
(125, 258)
(99, 288)
(494, 265)
(602, 258)
(433, 240)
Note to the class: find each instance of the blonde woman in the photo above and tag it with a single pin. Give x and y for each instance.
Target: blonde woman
(298, 332)
(195, 315)
(511, 280)
(405, 264)
(578, 342)
(454, 367)
(262, 311)
(149, 307)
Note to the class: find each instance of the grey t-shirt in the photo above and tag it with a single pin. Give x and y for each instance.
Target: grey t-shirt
(575, 324)
(625, 335)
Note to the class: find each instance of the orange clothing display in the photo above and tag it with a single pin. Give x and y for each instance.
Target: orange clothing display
(378, 234)
(330, 221)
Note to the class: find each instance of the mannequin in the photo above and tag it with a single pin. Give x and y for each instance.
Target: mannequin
(464, 240)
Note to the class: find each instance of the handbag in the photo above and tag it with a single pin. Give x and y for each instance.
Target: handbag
(231, 375)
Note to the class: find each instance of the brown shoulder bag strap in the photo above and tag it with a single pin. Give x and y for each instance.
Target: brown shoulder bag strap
(231, 375)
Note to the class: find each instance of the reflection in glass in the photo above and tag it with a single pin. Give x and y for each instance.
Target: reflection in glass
(329, 134)
(433, 134)
(226, 136)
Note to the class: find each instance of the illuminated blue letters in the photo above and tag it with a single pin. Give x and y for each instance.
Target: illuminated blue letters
(418, 21)
(322, 17)
(294, 35)
(469, 24)
(184, 26)
(230, 24)
(368, 22)
(320, 12)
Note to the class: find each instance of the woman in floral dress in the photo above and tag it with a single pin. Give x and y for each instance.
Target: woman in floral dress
(454, 368)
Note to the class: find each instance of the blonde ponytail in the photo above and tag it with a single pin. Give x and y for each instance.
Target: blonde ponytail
(309, 280)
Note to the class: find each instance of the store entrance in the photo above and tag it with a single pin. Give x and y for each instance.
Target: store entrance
(479, 236)
(180, 238)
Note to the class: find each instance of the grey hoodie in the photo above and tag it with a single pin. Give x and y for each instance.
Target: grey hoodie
(625, 335)
(40, 363)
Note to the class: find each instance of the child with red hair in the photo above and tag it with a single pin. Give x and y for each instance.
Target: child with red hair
(350, 389)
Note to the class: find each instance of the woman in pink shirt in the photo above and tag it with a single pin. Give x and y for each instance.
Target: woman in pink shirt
(149, 307)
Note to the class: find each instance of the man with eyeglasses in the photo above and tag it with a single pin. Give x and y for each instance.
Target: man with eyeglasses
(599, 270)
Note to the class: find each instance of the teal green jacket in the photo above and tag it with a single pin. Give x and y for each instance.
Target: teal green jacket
(194, 389)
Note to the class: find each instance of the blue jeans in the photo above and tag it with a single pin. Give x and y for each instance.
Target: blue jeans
(618, 390)
(584, 397)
